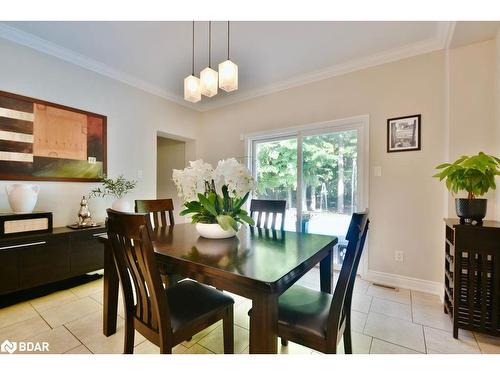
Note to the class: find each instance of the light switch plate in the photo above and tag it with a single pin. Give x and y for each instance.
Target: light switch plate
(377, 171)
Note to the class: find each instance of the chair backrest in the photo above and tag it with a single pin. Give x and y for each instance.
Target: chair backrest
(130, 236)
(158, 209)
(265, 208)
(342, 296)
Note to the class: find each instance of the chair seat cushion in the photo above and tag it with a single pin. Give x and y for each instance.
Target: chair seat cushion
(189, 301)
(305, 310)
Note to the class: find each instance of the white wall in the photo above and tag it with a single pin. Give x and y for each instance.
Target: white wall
(171, 154)
(406, 204)
(497, 103)
(134, 117)
(473, 126)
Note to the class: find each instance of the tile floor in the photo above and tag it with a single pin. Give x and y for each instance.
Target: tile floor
(384, 321)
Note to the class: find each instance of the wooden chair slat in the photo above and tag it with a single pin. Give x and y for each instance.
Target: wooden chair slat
(157, 207)
(268, 207)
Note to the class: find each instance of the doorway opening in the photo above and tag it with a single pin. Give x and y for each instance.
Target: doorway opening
(170, 155)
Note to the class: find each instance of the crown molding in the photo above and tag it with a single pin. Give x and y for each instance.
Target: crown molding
(437, 42)
(441, 40)
(34, 42)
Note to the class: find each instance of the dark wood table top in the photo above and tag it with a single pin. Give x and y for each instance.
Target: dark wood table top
(263, 259)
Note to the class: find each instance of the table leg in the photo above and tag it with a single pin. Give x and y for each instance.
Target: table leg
(264, 324)
(325, 270)
(111, 284)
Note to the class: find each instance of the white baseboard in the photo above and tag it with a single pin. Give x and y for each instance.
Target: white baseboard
(406, 282)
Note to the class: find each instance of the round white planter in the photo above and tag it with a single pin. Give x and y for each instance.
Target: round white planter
(121, 205)
(22, 197)
(214, 231)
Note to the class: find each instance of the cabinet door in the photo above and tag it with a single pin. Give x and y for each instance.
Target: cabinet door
(45, 262)
(9, 271)
(87, 252)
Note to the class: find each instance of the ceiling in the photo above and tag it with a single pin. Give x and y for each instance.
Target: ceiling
(156, 56)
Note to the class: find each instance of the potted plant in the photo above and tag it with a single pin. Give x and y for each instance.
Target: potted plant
(475, 175)
(215, 197)
(118, 188)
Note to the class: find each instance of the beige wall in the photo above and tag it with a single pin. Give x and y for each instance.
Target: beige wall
(497, 103)
(134, 117)
(473, 126)
(171, 154)
(406, 204)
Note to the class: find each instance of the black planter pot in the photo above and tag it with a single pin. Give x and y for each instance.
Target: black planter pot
(471, 210)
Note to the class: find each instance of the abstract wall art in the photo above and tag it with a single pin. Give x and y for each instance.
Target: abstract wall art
(46, 141)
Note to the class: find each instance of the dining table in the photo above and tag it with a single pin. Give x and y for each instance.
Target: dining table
(258, 264)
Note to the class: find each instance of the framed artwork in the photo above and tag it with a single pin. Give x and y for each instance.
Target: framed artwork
(403, 133)
(49, 142)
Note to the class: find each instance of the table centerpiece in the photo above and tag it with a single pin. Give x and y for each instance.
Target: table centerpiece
(215, 197)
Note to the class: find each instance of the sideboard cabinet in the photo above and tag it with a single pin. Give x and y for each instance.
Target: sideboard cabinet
(30, 260)
(472, 276)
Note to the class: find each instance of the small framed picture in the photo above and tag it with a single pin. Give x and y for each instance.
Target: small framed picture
(403, 133)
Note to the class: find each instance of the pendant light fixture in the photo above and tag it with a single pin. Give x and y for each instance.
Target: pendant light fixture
(208, 76)
(192, 89)
(228, 71)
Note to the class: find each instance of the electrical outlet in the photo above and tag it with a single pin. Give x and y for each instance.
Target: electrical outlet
(399, 256)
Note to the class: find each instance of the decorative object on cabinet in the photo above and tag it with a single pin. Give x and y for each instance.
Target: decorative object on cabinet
(472, 276)
(118, 188)
(46, 141)
(475, 175)
(17, 224)
(403, 133)
(84, 216)
(22, 197)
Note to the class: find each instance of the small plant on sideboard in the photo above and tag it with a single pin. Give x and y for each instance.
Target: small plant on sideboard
(118, 188)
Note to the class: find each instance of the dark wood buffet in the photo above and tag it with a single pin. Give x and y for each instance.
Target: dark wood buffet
(31, 260)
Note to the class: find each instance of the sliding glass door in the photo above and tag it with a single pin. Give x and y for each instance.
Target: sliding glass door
(318, 171)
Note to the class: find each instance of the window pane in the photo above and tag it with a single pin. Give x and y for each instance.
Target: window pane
(329, 184)
(276, 176)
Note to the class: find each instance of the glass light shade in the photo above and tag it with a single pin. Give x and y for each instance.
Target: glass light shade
(192, 92)
(209, 82)
(228, 76)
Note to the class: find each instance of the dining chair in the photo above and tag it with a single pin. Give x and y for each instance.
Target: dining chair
(166, 317)
(158, 209)
(319, 320)
(265, 208)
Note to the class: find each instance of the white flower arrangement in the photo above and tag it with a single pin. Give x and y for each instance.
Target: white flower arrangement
(215, 195)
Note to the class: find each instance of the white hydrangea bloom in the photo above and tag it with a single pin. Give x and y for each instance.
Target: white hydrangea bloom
(235, 175)
(191, 180)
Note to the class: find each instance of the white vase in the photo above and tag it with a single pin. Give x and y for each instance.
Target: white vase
(214, 231)
(22, 197)
(121, 205)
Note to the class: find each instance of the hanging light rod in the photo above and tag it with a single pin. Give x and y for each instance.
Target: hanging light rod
(228, 70)
(209, 77)
(192, 91)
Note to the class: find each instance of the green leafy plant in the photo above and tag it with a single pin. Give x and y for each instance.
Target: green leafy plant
(212, 208)
(117, 187)
(473, 174)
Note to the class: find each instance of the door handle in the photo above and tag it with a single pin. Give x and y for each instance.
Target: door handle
(23, 245)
